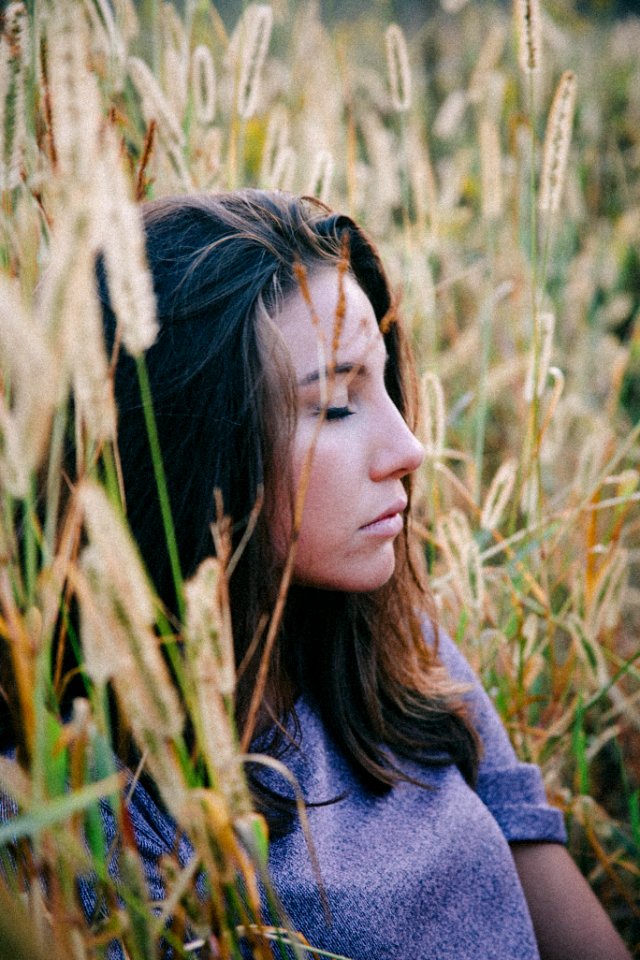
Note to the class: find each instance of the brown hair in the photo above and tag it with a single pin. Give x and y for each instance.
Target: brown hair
(224, 399)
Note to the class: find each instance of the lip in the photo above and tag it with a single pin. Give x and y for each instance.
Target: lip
(389, 522)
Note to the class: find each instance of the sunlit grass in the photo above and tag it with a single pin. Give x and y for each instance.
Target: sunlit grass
(527, 503)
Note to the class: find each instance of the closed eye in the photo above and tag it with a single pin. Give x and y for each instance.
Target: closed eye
(338, 413)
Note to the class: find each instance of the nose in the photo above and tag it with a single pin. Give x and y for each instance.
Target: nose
(397, 451)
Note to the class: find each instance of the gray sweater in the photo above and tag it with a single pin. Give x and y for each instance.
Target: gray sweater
(416, 874)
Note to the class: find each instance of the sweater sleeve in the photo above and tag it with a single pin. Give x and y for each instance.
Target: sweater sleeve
(513, 791)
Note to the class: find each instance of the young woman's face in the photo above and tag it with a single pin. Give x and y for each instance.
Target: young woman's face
(354, 459)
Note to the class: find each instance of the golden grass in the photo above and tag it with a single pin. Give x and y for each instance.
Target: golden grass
(520, 281)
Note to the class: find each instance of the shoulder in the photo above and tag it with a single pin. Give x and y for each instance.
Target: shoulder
(513, 790)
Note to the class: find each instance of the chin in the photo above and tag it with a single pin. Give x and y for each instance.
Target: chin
(354, 580)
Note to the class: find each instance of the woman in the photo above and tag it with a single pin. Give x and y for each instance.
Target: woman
(281, 372)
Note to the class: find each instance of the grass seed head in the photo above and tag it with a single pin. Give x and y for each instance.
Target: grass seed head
(462, 557)
(114, 44)
(321, 176)
(423, 184)
(126, 19)
(604, 603)
(384, 193)
(557, 141)
(75, 98)
(205, 625)
(398, 67)
(203, 84)
(5, 84)
(18, 34)
(92, 390)
(529, 29)
(154, 103)
(211, 663)
(490, 170)
(122, 596)
(451, 114)
(433, 415)
(538, 369)
(30, 381)
(173, 44)
(256, 25)
(498, 495)
(157, 109)
(176, 86)
(68, 310)
(118, 556)
(130, 285)
(283, 170)
(487, 61)
(277, 137)
(453, 6)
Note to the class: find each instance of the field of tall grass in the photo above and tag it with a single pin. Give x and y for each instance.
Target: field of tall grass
(494, 155)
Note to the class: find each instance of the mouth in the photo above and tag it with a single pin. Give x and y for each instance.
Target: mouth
(389, 522)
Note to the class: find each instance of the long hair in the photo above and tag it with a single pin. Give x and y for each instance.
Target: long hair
(224, 399)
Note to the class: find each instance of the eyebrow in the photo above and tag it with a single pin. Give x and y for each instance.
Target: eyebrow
(338, 368)
(329, 371)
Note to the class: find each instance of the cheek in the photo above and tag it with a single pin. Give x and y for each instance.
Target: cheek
(287, 483)
(326, 484)
(316, 470)
(309, 477)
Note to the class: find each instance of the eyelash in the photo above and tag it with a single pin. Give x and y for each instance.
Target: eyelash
(337, 413)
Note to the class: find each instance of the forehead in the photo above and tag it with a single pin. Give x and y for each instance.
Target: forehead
(311, 343)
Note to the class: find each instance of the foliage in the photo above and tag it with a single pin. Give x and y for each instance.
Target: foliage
(510, 225)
